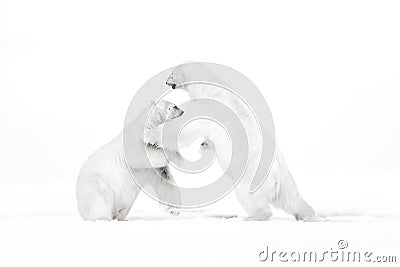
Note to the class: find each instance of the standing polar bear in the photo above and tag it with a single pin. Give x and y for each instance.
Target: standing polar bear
(105, 189)
(279, 189)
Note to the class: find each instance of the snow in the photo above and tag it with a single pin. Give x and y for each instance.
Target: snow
(40, 226)
(330, 74)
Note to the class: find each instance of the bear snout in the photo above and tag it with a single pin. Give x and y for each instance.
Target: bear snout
(178, 113)
(169, 83)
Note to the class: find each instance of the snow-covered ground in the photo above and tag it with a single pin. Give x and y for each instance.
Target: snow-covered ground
(40, 226)
(329, 71)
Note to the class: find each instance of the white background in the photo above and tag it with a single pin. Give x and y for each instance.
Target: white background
(330, 72)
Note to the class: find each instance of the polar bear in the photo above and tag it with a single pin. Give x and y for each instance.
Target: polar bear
(105, 189)
(279, 189)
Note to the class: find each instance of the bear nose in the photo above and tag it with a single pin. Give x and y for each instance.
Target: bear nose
(173, 86)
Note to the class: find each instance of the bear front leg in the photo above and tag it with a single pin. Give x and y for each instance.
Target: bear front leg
(256, 208)
(165, 187)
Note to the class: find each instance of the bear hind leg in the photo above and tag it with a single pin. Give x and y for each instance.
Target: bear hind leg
(98, 209)
(95, 199)
(295, 205)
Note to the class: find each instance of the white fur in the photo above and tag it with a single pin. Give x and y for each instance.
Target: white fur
(105, 189)
(279, 189)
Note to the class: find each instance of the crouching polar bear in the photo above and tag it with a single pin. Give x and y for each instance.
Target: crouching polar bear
(279, 189)
(105, 189)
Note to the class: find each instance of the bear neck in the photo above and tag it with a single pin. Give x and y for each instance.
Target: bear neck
(153, 121)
